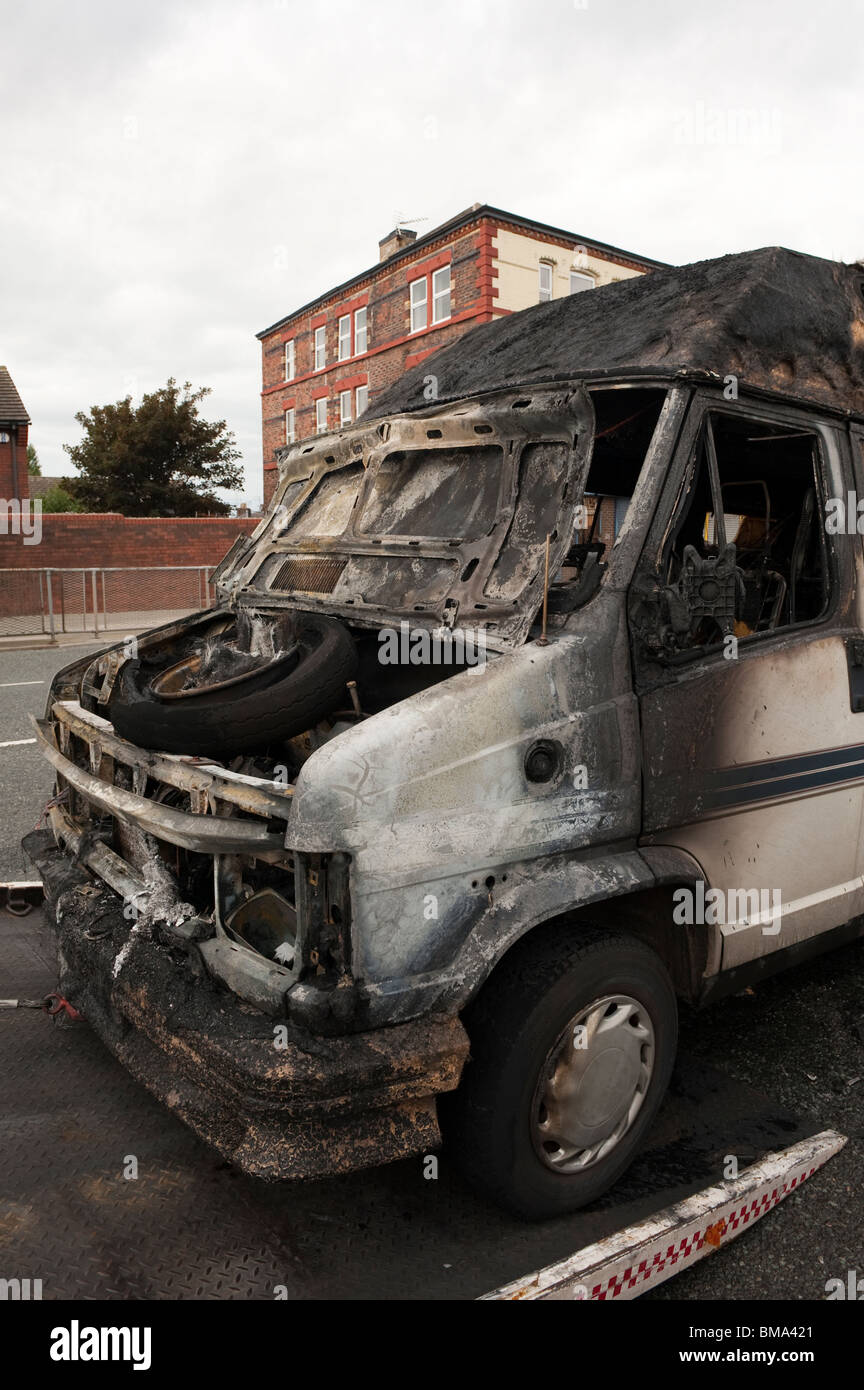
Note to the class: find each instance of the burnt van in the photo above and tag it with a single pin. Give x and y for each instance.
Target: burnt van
(532, 707)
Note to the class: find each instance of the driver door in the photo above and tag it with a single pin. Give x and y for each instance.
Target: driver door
(744, 632)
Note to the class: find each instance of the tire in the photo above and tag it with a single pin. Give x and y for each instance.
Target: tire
(494, 1125)
(260, 709)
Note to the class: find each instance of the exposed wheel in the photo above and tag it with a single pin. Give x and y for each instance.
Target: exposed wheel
(572, 1046)
(264, 705)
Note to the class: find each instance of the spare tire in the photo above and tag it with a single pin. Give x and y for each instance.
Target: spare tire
(248, 713)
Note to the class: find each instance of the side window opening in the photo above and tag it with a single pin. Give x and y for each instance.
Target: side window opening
(625, 421)
(747, 554)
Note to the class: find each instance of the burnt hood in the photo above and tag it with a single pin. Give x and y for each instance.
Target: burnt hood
(438, 517)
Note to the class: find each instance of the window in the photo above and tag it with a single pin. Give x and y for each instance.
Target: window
(418, 304)
(289, 360)
(545, 281)
(625, 424)
(320, 346)
(758, 561)
(345, 407)
(361, 336)
(289, 426)
(321, 415)
(441, 294)
(361, 400)
(579, 281)
(344, 337)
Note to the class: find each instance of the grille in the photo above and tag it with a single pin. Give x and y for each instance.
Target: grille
(315, 574)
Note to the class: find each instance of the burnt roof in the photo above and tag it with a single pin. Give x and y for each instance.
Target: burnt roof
(11, 405)
(778, 320)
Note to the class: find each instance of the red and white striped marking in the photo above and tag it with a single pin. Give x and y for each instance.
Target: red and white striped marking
(644, 1255)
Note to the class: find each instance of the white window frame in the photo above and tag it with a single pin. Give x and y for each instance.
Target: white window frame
(588, 281)
(361, 331)
(321, 423)
(418, 304)
(439, 294)
(320, 347)
(545, 292)
(290, 360)
(344, 338)
(344, 407)
(361, 400)
(290, 425)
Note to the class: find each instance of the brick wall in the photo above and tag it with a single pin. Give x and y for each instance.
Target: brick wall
(472, 250)
(7, 488)
(141, 561)
(392, 349)
(70, 540)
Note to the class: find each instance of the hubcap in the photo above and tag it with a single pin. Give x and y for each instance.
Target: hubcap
(593, 1083)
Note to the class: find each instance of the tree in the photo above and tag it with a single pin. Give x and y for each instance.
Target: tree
(59, 499)
(157, 459)
(33, 467)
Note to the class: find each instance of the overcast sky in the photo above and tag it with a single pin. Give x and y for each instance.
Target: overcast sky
(177, 176)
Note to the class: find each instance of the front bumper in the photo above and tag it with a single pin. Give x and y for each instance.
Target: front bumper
(275, 1100)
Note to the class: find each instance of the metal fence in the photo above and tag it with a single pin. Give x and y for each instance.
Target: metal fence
(53, 601)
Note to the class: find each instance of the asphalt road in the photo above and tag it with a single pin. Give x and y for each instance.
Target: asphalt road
(26, 778)
(799, 1039)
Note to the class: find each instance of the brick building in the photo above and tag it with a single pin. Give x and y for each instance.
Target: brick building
(14, 427)
(323, 363)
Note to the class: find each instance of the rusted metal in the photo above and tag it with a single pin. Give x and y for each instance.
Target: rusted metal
(19, 897)
(526, 456)
(254, 794)
(207, 834)
(278, 1103)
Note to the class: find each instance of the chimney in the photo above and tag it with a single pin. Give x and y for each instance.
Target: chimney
(395, 241)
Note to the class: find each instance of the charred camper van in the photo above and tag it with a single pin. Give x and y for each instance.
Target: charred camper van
(429, 822)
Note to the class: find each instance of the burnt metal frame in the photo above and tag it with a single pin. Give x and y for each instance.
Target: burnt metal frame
(509, 419)
(650, 672)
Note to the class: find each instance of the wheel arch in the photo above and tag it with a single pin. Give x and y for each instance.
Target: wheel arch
(631, 890)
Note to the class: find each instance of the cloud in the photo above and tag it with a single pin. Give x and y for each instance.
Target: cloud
(178, 177)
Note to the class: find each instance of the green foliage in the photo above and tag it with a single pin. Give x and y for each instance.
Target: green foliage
(58, 499)
(33, 467)
(155, 459)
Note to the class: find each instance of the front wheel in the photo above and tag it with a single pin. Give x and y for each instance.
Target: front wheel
(572, 1045)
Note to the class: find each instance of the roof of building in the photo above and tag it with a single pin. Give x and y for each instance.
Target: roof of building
(39, 485)
(777, 320)
(11, 405)
(455, 224)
